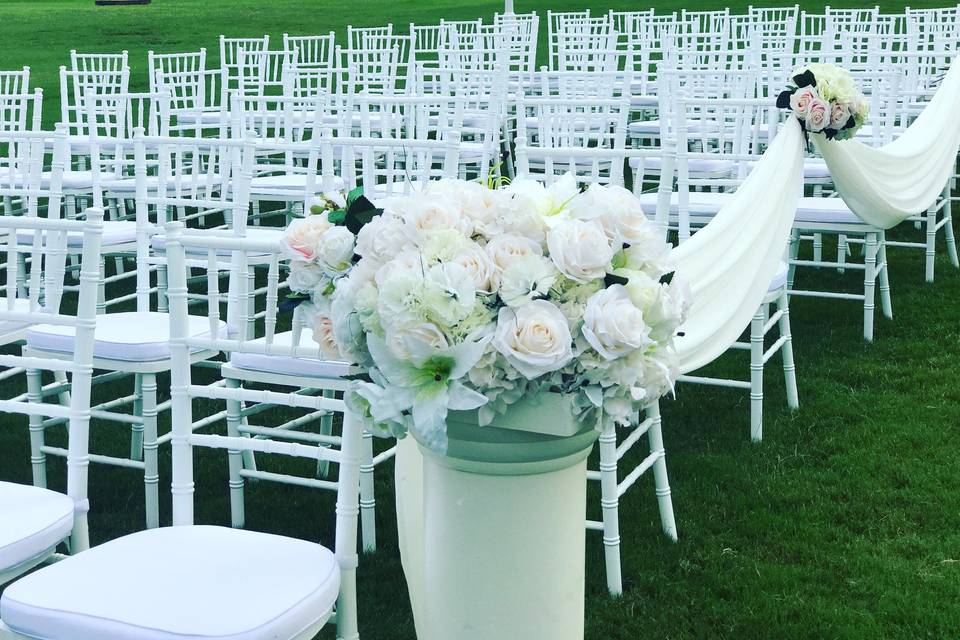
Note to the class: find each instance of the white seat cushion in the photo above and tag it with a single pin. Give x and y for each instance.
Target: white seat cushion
(290, 182)
(34, 521)
(780, 277)
(114, 232)
(825, 210)
(701, 203)
(652, 127)
(133, 336)
(189, 184)
(20, 305)
(695, 165)
(815, 168)
(286, 365)
(71, 180)
(272, 234)
(178, 583)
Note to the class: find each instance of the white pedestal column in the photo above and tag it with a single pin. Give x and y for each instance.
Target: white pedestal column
(504, 554)
(498, 548)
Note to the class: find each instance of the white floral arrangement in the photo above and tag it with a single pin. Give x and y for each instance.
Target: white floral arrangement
(826, 100)
(468, 297)
(320, 251)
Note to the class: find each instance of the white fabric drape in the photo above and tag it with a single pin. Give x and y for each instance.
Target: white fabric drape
(729, 263)
(886, 185)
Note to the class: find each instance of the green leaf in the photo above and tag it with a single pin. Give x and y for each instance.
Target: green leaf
(353, 195)
(610, 279)
(619, 260)
(317, 209)
(356, 219)
(337, 216)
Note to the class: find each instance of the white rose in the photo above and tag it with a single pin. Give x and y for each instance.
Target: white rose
(642, 289)
(335, 249)
(302, 237)
(478, 204)
(526, 279)
(506, 249)
(421, 214)
(580, 249)
(323, 335)
(416, 343)
(479, 265)
(534, 338)
(304, 276)
(613, 325)
(382, 238)
(839, 114)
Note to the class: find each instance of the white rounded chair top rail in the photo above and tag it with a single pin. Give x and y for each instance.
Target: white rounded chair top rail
(884, 186)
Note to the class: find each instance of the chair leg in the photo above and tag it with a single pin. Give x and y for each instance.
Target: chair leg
(841, 251)
(114, 214)
(786, 351)
(61, 378)
(931, 249)
(326, 429)
(136, 429)
(151, 475)
(38, 459)
(368, 502)
(948, 225)
(610, 506)
(869, 283)
(794, 252)
(660, 480)
(235, 459)
(883, 273)
(756, 374)
(818, 247)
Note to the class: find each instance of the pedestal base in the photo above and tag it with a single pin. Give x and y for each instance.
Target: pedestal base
(498, 549)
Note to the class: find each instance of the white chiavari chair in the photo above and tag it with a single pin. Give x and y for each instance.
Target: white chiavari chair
(15, 82)
(36, 520)
(287, 151)
(743, 129)
(518, 35)
(312, 50)
(556, 26)
(21, 111)
(389, 167)
(279, 598)
(196, 106)
(233, 66)
(75, 86)
(190, 62)
(358, 37)
(379, 65)
(573, 135)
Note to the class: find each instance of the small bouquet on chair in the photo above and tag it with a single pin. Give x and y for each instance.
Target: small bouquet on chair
(825, 99)
(320, 250)
(471, 298)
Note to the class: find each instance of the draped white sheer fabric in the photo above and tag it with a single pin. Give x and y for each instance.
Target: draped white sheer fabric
(729, 263)
(884, 186)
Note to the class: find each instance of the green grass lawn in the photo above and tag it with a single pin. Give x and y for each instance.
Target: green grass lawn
(843, 523)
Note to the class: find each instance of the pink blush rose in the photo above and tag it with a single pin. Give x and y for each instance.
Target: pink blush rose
(801, 99)
(817, 117)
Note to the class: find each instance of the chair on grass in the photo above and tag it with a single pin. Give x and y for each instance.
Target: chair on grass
(36, 520)
(168, 582)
